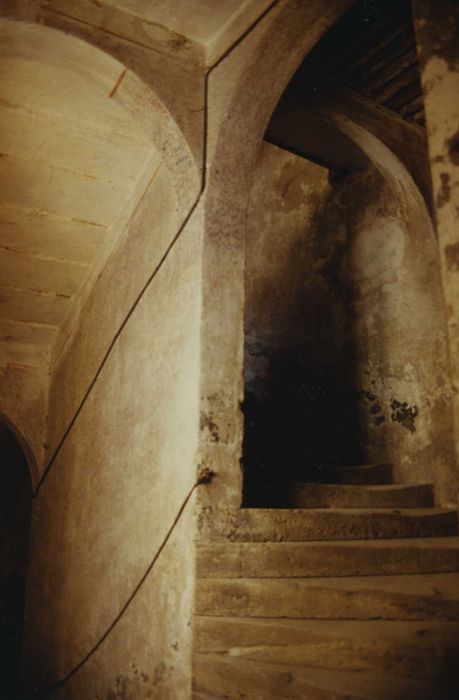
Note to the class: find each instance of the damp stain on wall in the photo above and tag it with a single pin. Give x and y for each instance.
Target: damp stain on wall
(404, 414)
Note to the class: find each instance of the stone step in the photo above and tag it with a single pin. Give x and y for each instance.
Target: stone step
(342, 558)
(411, 649)
(234, 679)
(309, 495)
(361, 474)
(412, 597)
(300, 525)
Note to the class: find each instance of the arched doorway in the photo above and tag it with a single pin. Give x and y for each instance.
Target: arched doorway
(15, 509)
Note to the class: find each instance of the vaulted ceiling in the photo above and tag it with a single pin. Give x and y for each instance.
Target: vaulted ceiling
(71, 161)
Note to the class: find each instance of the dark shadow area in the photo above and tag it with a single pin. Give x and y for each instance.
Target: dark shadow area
(303, 414)
(15, 508)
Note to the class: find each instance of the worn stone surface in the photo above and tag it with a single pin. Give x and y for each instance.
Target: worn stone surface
(147, 656)
(432, 596)
(301, 525)
(141, 248)
(116, 487)
(301, 559)
(309, 495)
(405, 648)
(264, 681)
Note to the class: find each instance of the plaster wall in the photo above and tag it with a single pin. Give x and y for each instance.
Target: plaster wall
(437, 29)
(345, 335)
(121, 474)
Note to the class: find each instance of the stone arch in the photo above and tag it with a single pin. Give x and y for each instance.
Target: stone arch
(257, 71)
(131, 91)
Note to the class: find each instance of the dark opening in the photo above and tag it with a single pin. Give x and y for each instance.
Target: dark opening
(15, 507)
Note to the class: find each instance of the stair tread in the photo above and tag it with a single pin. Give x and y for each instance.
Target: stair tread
(420, 512)
(328, 558)
(412, 596)
(363, 487)
(307, 494)
(266, 680)
(415, 649)
(297, 524)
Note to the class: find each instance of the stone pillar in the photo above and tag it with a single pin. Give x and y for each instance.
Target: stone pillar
(437, 30)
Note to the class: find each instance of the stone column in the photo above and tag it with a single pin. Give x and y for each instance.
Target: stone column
(437, 30)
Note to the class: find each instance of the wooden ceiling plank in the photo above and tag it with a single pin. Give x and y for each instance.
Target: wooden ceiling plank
(355, 40)
(19, 336)
(401, 81)
(22, 354)
(386, 72)
(406, 94)
(69, 147)
(63, 193)
(41, 234)
(64, 92)
(47, 309)
(31, 273)
(372, 64)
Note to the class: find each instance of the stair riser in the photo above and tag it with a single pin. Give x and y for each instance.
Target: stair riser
(323, 496)
(291, 599)
(434, 658)
(377, 474)
(323, 525)
(290, 560)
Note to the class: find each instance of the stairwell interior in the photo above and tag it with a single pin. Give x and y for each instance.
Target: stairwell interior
(338, 579)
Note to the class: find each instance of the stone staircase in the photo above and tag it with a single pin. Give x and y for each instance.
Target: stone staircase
(351, 594)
